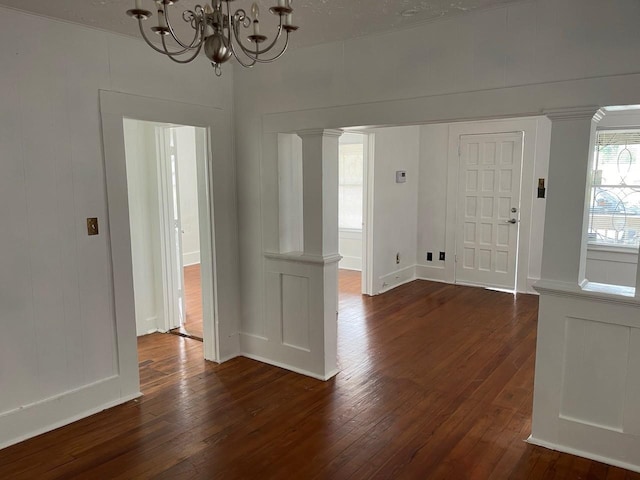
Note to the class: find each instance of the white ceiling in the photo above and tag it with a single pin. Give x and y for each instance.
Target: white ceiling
(319, 20)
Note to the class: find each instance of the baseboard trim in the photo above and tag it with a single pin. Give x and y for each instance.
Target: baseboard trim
(291, 368)
(395, 279)
(438, 274)
(227, 358)
(581, 453)
(190, 258)
(54, 412)
(432, 274)
(350, 263)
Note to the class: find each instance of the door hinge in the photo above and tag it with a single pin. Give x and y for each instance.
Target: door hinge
(455, 258)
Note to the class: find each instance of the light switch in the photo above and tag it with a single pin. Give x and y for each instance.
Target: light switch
(92, 226)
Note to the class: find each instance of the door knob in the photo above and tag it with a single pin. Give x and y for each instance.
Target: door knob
(513, 220)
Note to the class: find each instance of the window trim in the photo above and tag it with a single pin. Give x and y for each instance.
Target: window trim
(594, 244)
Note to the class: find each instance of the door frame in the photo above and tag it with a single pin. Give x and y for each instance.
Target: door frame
(460, 233)
(114, 107)
(367, 214)
(535, 151)
(366, 271)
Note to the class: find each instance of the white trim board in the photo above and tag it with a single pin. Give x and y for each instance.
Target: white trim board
(54, 412)
(114, 107)
(285, 366)
(191, 258)
(581, 453)
(397, 278)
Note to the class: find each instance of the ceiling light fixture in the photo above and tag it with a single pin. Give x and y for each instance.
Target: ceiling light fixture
(217, 31)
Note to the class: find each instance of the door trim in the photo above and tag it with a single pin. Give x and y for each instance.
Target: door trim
(458, 255)
(367, 227)
(170, 284)
(537, 138)
(114, 107)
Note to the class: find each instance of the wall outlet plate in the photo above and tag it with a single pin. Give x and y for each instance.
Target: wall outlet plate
(429, 257)
(442, 256)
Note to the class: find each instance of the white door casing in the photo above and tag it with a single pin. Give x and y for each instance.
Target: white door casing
(488, 209)
(178, 260)
(170, 237)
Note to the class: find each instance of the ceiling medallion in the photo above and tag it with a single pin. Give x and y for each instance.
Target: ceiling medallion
(218, 31)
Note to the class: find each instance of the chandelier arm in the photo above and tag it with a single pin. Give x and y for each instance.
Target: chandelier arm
(146, 39)
(164, 51)
(255, 58)
(171, 55)
(249, 52)
(233, 50)
(173, 33)
(273, 59)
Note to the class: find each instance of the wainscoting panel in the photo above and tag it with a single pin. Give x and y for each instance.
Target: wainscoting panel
(632, 401)
(587, 377)
(300, 317)
(295, 311)
(595, 368)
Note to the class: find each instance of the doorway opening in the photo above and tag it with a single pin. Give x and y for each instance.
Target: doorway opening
(353, 212)
(167, 197)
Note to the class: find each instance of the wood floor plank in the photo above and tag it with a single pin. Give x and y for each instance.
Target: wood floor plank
(436, 381)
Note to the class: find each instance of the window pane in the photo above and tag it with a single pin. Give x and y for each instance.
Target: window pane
(614, 207)
(350, 184)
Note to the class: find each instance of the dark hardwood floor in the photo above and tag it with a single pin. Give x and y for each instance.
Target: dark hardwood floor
(193, 302)
(435, 383)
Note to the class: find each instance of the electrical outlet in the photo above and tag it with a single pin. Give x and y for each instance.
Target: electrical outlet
(442, 256)
(398, 258)
(429, 257)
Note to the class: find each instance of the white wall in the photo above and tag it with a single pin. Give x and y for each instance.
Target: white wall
(395, 206)
(144, 219)
(290, 200)
(187, 176)
(614, 267)
(58, 358)
(432, 194)
(350, 248)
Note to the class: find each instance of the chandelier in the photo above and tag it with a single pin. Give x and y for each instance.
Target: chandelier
(218, 31)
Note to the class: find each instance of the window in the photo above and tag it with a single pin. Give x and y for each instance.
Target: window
(614, 207)
(351, 173)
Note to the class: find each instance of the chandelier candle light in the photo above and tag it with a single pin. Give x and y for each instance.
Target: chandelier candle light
(217, 30)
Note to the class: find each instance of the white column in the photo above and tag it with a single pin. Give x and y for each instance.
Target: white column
(320, 191)
(320, 226)
(566, 219)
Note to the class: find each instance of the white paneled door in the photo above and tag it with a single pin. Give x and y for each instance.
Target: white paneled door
(488, 209)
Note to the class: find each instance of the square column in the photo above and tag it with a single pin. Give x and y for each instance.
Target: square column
(564, 252)
(320, 191)
(320, 226)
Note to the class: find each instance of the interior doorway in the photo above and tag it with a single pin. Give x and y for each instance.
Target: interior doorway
(354, 192)
(167, 202)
